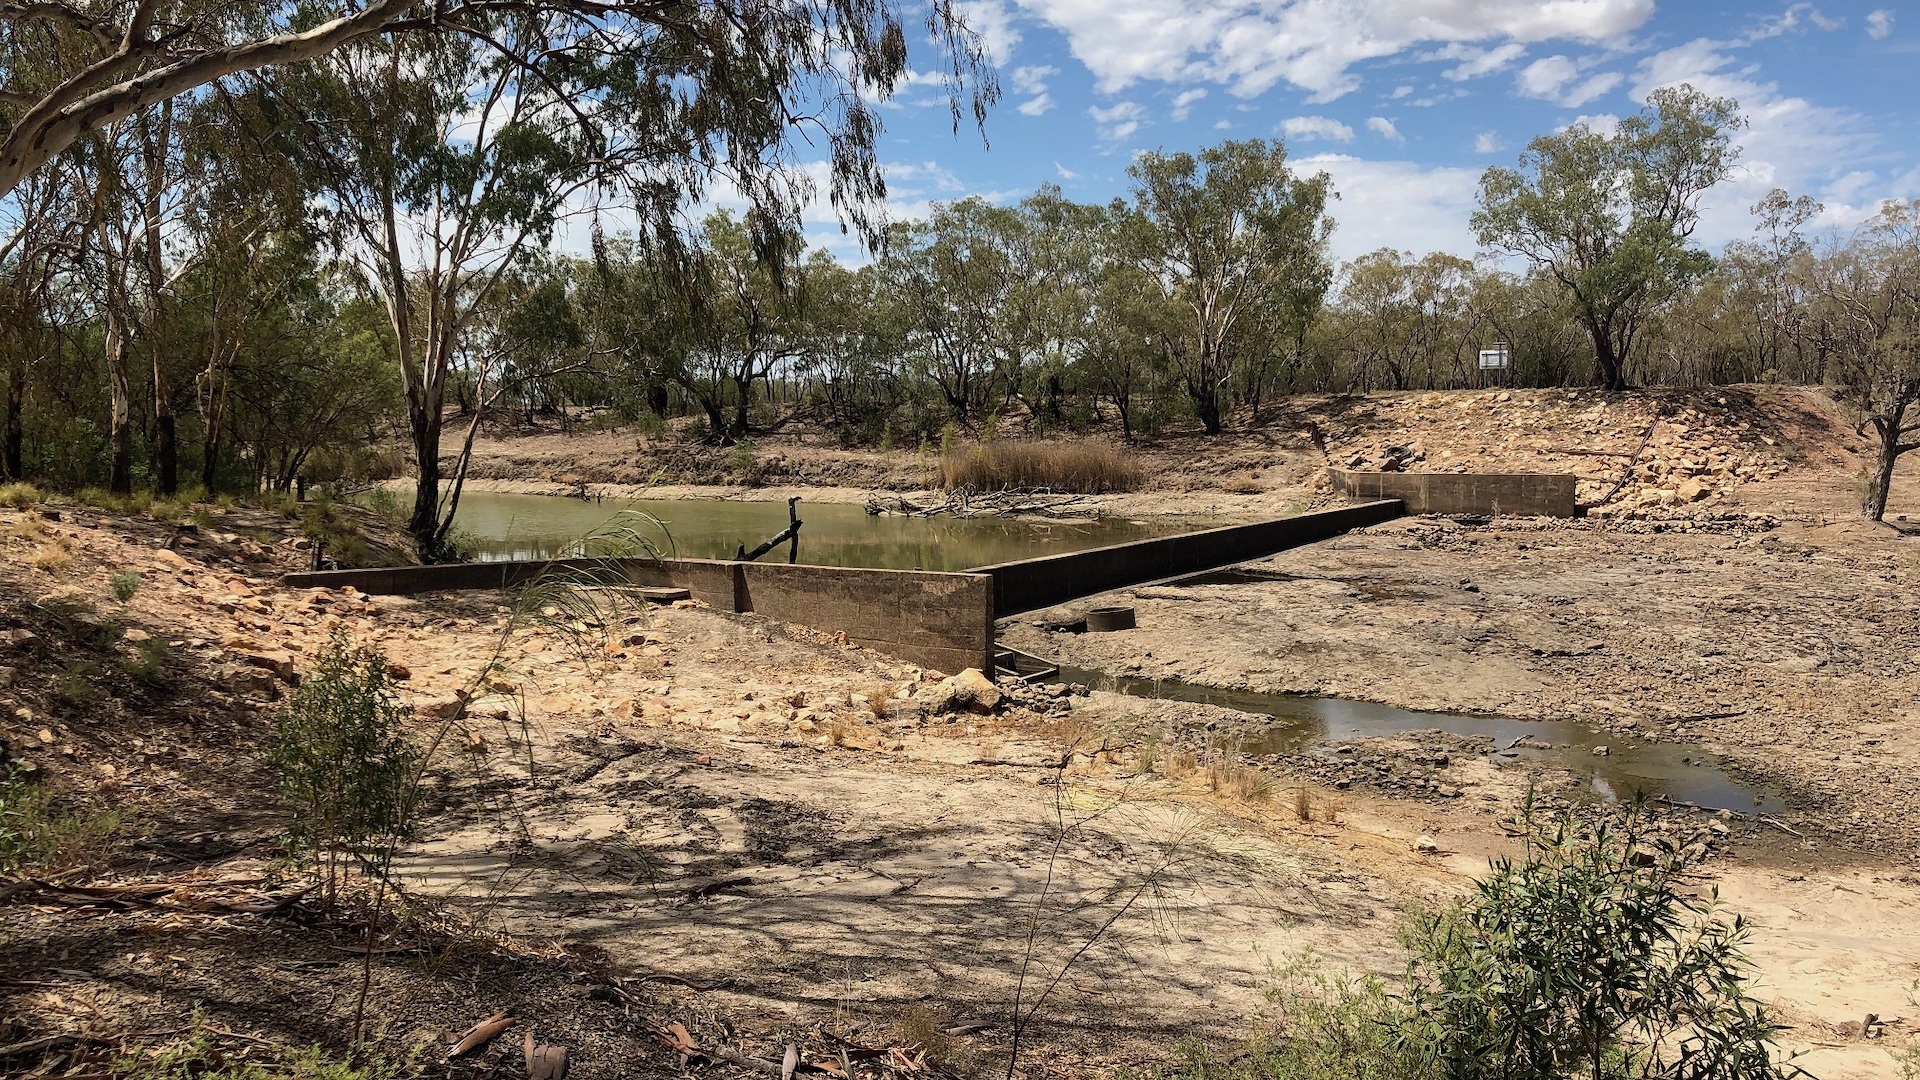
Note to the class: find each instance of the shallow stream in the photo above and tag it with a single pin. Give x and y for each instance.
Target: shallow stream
(1682, 772)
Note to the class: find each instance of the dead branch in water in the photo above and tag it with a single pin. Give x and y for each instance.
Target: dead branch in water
(962, 503)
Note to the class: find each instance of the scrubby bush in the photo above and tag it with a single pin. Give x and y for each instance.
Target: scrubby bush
(1086, 467)
(1586, 958)
(36, 833)
(125, 585)
(19, 496)
(344, 763)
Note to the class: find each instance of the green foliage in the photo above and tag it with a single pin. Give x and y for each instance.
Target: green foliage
(36, 834)
(78, 682)
(344, 763)
(125, 584)
(1237, 246)
(1588, 957)
(328, 524)
(149, 661)
(744, 465)
(1607, 217)
(198, 1058)
(1585, 959)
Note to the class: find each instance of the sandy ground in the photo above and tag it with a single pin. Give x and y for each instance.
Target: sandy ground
(734, 825)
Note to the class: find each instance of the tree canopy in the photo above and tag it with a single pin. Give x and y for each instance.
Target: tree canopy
(1609, 216)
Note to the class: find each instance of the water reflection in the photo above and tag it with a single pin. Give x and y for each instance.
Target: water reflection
(1679, 771)
(546, 526)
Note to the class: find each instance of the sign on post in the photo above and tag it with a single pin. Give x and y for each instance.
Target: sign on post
(1497, 358)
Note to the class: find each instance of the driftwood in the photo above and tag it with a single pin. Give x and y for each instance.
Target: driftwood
(962, 503)
(789, 536)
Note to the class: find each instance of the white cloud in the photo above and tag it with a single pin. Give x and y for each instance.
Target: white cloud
(993, 20)
(1250, 46)
(1789, 142)
(1879, 23)
(1065, 173)
(1316, 127)
(1400, 92)
(1184, 101)
(1118, 121)
(1599, 123)
(1384, 128)
(1487, 142)
(1397, 204)
(1557, 79)
(1032, 78)
(1222, 125)
(1476, 61)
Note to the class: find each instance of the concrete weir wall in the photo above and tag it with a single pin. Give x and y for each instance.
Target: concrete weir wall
(1032, 584)
(1522, 494)
(938, 620)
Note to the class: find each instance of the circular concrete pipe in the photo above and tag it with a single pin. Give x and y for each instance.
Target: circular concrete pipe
(1104, 619)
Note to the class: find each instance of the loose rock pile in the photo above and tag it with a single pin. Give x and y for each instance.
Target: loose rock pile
(1635, 458)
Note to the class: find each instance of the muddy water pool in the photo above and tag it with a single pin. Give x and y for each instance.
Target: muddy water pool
(1683, 772)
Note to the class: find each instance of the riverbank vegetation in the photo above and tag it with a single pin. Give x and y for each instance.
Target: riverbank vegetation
(228, 289)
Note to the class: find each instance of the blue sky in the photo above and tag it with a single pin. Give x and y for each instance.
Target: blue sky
(1405, 102)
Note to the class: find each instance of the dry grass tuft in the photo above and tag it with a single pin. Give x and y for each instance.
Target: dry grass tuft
(53, 557)
(1089, 468)
(1241, 485)
(880, 700)
(20, 496)
(1303, 803)
(1230, 778)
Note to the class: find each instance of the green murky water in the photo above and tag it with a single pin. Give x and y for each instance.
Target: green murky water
(545, 526)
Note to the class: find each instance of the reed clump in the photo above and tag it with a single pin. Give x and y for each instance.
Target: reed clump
(1086, 468)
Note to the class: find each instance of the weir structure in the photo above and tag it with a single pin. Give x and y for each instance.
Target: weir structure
(943, 621)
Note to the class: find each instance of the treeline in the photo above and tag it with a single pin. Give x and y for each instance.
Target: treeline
(257, 287)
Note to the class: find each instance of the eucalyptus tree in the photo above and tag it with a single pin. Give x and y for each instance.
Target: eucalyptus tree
(720, 82)
(955, 273)
(1609, 217)
(748, 321)
(41, 236)
(856, 331)
(1407, 317)
(1866, 316)
(1227, 237)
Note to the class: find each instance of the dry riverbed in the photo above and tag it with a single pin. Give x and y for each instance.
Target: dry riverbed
(713, 820)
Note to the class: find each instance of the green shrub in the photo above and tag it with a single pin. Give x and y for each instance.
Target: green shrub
(744, 465)
(149, 661)
(344, 765)
(20, 496)
(1583, 960)
(33, 833)
(125, 585)
(1588, 957)
(78, 682)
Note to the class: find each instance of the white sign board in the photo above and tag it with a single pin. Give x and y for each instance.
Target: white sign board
(1493, 359)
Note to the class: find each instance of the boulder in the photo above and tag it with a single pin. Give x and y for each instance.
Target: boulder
(968, 690)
